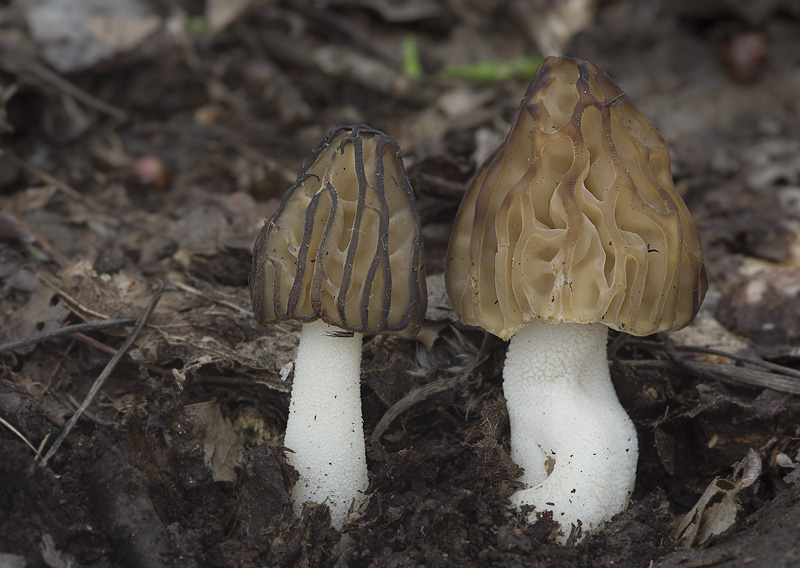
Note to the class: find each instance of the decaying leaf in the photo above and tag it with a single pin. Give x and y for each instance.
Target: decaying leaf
(212, 330)
(495, 461)
(9, 560)
(717, 509)
(429, 333)
(43, 312)
(222, 448)
(665, 446)
(50, 554)
(793, 465)
(552, 25)
(706, 331)
(221, 13)
(76, 35)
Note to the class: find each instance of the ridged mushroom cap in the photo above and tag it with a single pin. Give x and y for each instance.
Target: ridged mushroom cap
(575, 218)
(344, 245)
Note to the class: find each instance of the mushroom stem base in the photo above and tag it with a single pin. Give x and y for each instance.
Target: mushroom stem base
(325, 429)
(568, 430)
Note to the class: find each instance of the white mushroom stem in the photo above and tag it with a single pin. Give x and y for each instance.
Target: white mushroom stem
(568, 430)
(325, 430)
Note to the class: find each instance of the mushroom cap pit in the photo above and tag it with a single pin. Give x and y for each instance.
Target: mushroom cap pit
(344, 245)
(575, 218)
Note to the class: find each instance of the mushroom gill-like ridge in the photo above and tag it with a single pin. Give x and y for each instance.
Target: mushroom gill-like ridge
(575, 218)
(344, 245)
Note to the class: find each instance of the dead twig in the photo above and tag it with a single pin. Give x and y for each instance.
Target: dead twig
(420, 393)
(23, 231)
(782, 379)
(741, 358)
(100, 346)
(104, 375)
(345, 64)
(56, 80)
(714, 371)
(43, 176)
(68, 330)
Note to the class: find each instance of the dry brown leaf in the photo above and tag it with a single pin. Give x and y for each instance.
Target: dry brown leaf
(706, 331)
(121, 34)
(716, 511)
(44, 311)
(223, 449)
(429, 333)
(221, 13)
(552, 24)
(51, 555)
(77, 34)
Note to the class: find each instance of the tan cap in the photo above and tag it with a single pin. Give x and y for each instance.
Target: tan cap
(575, 217)
(344, 244)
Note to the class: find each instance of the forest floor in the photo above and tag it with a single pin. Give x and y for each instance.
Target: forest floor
(159, 161)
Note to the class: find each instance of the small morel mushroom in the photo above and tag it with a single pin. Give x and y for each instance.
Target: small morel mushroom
(571, 227)
(342, 256)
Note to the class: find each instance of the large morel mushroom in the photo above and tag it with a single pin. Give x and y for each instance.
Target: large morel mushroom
(342, 256)
(572, 227)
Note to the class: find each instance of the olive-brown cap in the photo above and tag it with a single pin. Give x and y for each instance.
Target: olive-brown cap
(344, 245)
(575, 217)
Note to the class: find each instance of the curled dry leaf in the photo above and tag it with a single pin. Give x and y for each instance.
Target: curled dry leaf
(717, 509)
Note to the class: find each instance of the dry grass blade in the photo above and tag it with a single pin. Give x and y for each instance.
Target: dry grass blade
(20, 436)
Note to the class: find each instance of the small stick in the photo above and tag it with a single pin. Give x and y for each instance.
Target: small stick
(104, 375)
(43, 176)
(26, 227)
(91, 101)
(68, 330)
(741, 358)
(99, 345)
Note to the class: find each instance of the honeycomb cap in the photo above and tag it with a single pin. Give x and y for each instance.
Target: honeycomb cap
(344, 245)
(575, 218)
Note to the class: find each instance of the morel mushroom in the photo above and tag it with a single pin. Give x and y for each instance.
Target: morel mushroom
(342, 256)
(571, 227)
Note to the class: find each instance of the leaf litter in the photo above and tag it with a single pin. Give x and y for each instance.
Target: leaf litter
(163, 162)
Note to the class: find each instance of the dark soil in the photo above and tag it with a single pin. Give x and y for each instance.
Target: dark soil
(161, 163)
